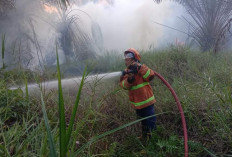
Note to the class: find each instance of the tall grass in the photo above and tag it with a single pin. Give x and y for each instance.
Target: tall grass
(202, 81)
(62, 124)
(49, 132)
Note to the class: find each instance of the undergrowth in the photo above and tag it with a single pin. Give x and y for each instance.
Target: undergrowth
(202, 81)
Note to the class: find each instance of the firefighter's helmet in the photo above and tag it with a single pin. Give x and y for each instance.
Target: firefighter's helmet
(135, 53)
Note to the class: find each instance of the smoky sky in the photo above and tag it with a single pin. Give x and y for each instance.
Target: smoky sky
(32, 28)
(129, 23)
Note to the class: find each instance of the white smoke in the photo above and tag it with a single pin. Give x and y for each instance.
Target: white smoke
(128, 23)
(123, 24)
(29, 34)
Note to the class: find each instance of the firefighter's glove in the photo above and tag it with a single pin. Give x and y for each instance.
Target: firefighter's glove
(134, 68)
(124, 72)
(131, 78)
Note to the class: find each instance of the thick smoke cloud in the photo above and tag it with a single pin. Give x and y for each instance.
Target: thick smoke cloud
(29, 33)
(128, 23)
(32, 28)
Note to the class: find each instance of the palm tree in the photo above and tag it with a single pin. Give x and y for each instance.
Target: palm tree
(76, 43)
(210, 22)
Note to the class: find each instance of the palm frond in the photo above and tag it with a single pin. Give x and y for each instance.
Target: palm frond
(210, 22)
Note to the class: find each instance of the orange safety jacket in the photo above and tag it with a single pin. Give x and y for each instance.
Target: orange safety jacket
(140, 91)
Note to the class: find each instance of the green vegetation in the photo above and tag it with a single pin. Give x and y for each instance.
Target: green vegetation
(101, 127)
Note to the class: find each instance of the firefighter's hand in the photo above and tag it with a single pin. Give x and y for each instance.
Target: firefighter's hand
(137, 64)
(130, 75)
(131, 78)
(124, 72)
(135, 67)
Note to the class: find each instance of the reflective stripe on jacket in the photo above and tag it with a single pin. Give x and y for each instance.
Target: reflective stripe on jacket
(140, 91)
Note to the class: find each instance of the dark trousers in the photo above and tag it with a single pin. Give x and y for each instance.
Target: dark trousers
(148, 124)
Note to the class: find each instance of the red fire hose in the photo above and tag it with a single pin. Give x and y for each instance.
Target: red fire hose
(181, 112)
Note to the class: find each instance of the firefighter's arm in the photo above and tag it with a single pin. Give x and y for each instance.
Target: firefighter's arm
(126, 81)
(146, 73)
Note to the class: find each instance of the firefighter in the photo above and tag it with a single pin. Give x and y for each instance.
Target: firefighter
(135, 78)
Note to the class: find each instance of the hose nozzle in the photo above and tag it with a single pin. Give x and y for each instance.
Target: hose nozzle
(128, 71)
